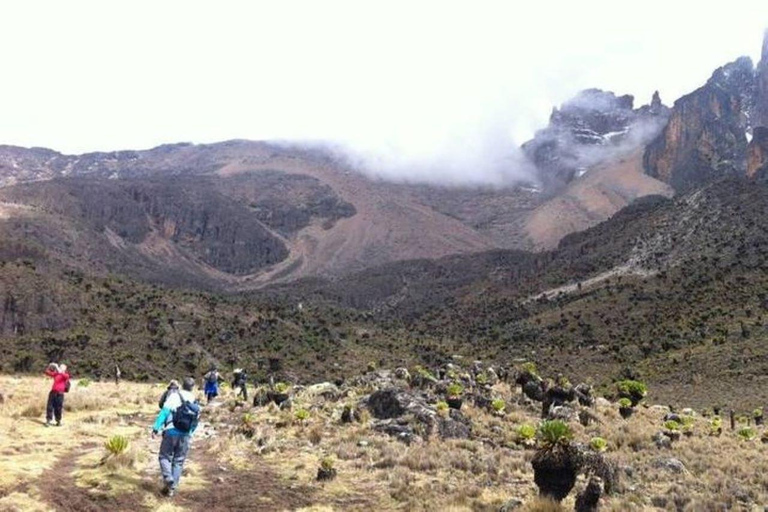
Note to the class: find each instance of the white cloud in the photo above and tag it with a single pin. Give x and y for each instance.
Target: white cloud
(422, 89)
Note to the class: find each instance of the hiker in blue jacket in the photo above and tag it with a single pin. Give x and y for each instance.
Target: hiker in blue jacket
(177, 421)
(212, 379)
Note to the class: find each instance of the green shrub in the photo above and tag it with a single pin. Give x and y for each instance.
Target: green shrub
(716, 426)
(498, 405)
(84, 383)
(116, 445)
(672, 426)
(327, 463)
(632, 389)
(625, 402)
(302, 414)
(598, 444)
(747, 433)
(441, 406)
(424, 373)
(758, 413)
(247, 425)
(282, 387)
(525, 432)
(454, 390)
(554, 432)
(530, 367)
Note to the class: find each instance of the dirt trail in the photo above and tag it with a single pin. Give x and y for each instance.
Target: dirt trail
(257, 489)
(59, 490)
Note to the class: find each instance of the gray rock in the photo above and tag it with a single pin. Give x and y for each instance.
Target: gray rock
(510, 505)
(670, 464)
(562, 412)
(326, 390)
(532, 389)
(455, 426)
(403, 374)
(662, 441)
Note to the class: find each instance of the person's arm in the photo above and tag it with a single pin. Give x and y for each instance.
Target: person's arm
(162, 418)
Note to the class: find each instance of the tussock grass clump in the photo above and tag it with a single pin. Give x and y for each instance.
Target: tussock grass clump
(120, 454)
(84, 383)
(116, 445)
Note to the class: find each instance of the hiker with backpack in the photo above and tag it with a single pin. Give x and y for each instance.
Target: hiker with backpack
(173, 387)
(61, 384)
(240, 383)
(212, 379)
(177, 421)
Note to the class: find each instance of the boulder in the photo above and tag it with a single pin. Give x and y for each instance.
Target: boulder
(661, 441)
(670, 464)
(532, 389)
(589, 499)
(325, 390)
(510, 505)
(562, 412)
(402, 432)
(403, 374)
(455, 426)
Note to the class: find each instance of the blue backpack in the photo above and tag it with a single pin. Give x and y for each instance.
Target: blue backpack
(185, 416)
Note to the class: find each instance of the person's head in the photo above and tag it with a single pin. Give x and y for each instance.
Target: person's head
(174, 384)
(188, 384)
(62, 368)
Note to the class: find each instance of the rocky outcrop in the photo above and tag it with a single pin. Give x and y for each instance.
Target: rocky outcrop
(187, 214)
(589, 129)
(706, 137)
(757, 155)
(761, 87)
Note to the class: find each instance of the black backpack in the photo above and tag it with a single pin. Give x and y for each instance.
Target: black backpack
(67, 386)
(185, 416)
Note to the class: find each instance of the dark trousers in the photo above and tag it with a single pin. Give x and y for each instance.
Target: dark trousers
(54, 407)
(243, 390)
(173, 453)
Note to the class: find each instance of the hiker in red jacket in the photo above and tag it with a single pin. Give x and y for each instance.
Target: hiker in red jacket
(56, 396)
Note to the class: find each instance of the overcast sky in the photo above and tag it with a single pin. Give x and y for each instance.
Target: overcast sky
(442, 89)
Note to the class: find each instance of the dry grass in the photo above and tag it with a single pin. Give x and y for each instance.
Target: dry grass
(374, 470)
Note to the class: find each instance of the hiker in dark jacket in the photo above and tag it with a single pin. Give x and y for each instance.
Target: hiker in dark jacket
(240, 383)
(177, 421)
(55, 404)
(212, 379)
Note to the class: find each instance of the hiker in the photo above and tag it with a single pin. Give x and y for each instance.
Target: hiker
(212, 379)
(56, 396)
(177, 421)
(173, 387)
(117, 375)
(240, 383)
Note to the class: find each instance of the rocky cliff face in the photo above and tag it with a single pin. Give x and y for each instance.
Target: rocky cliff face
(757, 155)
(590, 129)
(187, 215)
(706, 136)
(709, 131)
(761, 87)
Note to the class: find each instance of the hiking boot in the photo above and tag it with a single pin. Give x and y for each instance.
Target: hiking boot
(167, 489)
(58, 423)
(47, 423)
(171, 492)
